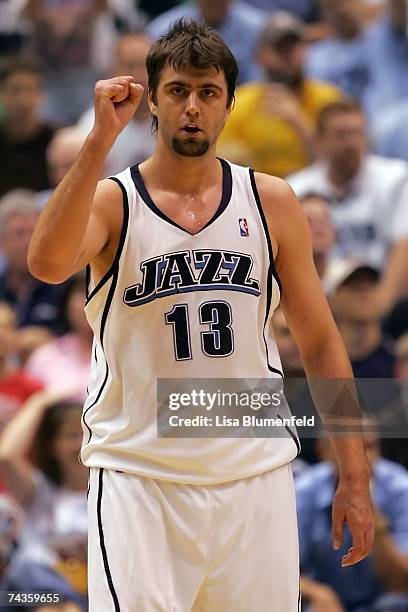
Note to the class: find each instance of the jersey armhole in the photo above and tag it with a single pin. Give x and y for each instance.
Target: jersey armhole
(115, 263)
(265, 228)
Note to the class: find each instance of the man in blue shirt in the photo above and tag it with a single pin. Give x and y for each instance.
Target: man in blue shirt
(368, 62)
(238, 23)
(361, 587)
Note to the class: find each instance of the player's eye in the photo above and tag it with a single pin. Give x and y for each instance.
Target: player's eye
(208, 93)
(177, 91)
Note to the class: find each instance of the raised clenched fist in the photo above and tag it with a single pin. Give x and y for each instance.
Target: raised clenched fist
(116, 101)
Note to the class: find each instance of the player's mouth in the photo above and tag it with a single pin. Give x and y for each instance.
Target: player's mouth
(190, 129)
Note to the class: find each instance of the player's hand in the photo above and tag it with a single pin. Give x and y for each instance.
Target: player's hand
(352, 505)
(116, 101)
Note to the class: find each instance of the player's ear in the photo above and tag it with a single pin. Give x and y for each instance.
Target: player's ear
(230, 106)
(151, 102)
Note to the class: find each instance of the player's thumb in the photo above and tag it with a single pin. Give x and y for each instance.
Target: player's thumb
(337, 528)
(135, 93)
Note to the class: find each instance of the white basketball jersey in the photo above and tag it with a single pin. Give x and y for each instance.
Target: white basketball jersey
(177, 305)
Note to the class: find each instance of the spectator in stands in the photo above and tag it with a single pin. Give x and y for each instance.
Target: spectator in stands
(372, 584)
(238, 23)
(367, 62)
(34, 302)
(367, 197)
(24, 137)
(135, 143)
(275, 118)
(62, 35)
(351, 285)
(14, 579)
(51, 487)
(67, 358)
(62, 151)
(317, 211)
(16, 386)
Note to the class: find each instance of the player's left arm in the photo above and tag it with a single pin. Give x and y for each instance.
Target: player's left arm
(322, 351)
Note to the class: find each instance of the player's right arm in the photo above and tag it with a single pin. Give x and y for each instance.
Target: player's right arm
(80, 221)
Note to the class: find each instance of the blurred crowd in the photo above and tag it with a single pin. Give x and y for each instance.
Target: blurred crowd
(322, 101)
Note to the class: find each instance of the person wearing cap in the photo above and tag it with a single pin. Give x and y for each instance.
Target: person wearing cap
(367, 195)
(350, 284)
(274, 118)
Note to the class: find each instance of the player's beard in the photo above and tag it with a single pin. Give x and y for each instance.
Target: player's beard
(190, 147)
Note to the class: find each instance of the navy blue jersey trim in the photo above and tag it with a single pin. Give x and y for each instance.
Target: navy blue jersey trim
(118, 253)
(225, 198)
(271, 270)
(292, 435)
(114, 271)
(87, 280)
(102, 544)
(103, 323)
(265, 226)
(299, 596)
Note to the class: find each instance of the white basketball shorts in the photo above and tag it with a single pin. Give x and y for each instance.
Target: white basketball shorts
(158, 546)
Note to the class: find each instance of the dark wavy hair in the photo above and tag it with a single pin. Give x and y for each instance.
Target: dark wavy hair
(42, 454)
(188, 43)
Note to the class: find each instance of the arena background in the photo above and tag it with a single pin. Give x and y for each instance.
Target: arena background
(322, 102)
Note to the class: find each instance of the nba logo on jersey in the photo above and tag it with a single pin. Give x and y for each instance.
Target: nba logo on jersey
(243, 227)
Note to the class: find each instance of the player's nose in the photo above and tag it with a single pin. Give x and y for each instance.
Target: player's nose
(192, 104)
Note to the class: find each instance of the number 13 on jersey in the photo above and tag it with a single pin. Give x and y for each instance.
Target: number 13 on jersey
(216, 341)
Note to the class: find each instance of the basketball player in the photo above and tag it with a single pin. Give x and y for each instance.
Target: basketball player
(189, 256)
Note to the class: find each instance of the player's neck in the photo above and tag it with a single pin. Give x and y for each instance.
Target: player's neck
(190, 175)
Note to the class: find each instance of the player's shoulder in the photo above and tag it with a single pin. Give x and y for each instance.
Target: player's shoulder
(109, 191)
(275, 193)
(109, 203)
(281, 207)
